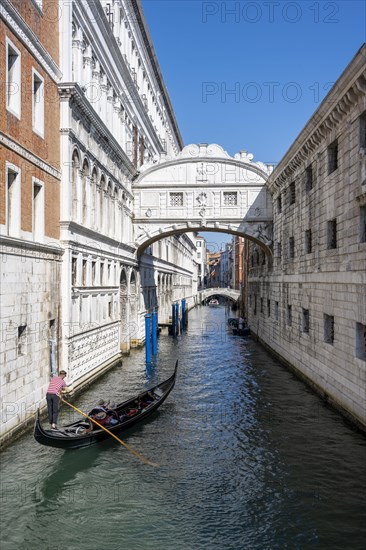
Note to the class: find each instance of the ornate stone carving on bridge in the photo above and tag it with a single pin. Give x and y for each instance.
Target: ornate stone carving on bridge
(202, 187)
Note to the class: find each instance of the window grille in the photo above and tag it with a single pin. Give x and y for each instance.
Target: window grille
(292, 193)
(362, 224)
(308, 241)
(279, 204)
(309, 178)
(305, 322)
(332, 234)
(289, 315)
(230, 198)
(291, 247)
(333, 157)
(22, 340)
(279, 250)
(176, 199)
(276, 311)
(361, 341)
(328, 328)
(363, 130)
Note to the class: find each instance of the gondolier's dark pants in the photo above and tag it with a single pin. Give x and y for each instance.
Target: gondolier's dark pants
(53, 406)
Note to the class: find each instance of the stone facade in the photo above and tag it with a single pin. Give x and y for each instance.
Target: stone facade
(115, 116)
(309, 304)
(29, 208)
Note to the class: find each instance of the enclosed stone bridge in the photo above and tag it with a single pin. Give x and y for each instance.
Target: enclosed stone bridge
(226, 292)
(202, 189)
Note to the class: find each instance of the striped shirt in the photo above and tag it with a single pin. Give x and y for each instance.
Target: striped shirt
(56, 384)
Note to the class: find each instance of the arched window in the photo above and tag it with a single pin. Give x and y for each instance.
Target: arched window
(75, 184)
(93, 201)
(85, 185)
(101, 203)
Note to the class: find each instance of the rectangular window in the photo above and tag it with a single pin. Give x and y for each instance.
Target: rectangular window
(276, 311)
(363, 224)
(292, 193)
(198, 244)
(269, 308)
(13, 79)
(22, 340)
(308, 241)
(279, 250)
(261, 305)
(305, 321)
(230, 198)
(176, 199)
(333, 157)
(289, 315)
(328, 329)
(38, 210)
(361, 341)
(110, 309)
(255, 305)
(309, 178)
(94, 263)
(12, 201)
(279, 204)
(332, 234)
(291, 247)
(101, 273)
(363, 130)
(38, 103)
(74, 271)
(85, 272)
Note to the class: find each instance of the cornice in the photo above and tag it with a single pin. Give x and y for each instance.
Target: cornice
(74, 227)
(72, 92)
(16, 23)
(115, 53)
(21, 151)
(136, 4)
(9, 243)
(324, 121)
(209, 160)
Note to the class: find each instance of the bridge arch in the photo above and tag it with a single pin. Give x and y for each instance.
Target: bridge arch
(203, 189)
(229, 293)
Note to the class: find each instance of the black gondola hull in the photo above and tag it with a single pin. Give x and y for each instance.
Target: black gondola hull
(62, 439)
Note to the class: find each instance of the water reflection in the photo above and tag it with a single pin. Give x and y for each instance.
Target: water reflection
(249, 458)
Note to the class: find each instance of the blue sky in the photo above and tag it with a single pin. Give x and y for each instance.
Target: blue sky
(249, 75)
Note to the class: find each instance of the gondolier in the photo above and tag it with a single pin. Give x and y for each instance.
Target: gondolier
(84, 433)
(56, 385)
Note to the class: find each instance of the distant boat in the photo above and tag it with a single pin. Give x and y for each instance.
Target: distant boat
(214, 303)
(84, 433)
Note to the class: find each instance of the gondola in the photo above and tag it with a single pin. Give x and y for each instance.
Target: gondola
(84, 433)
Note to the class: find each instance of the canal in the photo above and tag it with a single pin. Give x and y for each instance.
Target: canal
(249, 458)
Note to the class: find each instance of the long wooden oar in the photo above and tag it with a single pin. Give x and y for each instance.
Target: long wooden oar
(110, 433)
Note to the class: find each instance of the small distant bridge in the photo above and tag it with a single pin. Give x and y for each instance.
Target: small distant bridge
(226, 292)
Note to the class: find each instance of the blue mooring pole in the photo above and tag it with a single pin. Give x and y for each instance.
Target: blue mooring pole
(148, 337)
(177, 317)
(154, 332)
(183, 314)
(173, 319)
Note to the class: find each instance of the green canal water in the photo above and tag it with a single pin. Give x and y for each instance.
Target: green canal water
(249, 458)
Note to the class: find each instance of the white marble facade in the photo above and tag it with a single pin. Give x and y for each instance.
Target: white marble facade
(115, 115)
